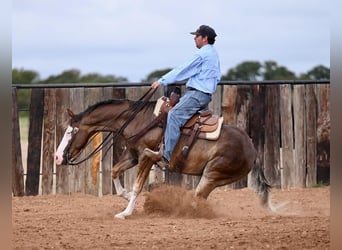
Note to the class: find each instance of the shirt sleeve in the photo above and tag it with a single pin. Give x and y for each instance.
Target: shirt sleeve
(182, 72)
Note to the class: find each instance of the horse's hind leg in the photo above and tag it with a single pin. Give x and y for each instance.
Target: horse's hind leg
(204, 188)
(215, 175)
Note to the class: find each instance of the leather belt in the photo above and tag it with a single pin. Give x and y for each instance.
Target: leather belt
(193, 89)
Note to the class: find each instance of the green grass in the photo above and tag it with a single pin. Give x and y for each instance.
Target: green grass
(318, 185)
(24, 126)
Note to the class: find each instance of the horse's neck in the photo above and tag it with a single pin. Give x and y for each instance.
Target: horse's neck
(113, 117)
(105, 117)
(139, 121)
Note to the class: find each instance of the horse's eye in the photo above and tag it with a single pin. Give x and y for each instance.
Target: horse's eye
(75, 130)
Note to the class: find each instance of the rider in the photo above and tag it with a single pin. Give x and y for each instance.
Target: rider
(203, 74)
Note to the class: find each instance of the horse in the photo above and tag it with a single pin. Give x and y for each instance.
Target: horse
(218, 162)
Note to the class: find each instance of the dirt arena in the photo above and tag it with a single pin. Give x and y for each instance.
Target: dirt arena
(169, 218)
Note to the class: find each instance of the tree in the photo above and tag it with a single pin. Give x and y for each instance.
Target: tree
(74, 76)
(253, 71)
(319, 72)
(274, 72)
(95, 77)
(249, 71)
(22, 76)
(67, 76)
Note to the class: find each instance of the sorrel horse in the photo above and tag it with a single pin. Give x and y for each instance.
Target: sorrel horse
(218, 162)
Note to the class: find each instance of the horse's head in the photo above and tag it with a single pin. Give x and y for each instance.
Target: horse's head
(74, 140)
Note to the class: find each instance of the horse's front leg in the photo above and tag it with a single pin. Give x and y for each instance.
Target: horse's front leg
(120, 190)
(120, 167)
(143, 171)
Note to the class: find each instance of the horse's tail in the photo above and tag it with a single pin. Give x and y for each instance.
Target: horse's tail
(261, 185)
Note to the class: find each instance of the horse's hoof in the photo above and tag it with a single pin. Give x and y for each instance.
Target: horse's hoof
(120, 216)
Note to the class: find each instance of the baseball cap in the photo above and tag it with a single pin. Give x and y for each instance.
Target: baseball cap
(205, 30)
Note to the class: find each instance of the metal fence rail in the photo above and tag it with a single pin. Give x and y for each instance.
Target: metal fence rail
(144, 84)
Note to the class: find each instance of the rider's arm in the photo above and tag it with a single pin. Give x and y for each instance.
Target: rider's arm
(182, 72)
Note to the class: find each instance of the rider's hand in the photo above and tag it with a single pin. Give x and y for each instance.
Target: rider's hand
(155, 85)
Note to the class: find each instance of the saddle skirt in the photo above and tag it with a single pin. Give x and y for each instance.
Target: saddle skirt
(208, 131)
(209, 124)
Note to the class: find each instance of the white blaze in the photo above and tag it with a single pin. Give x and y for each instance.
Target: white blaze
(65, 140)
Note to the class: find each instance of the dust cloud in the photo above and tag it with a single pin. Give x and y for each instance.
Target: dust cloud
(172, 201)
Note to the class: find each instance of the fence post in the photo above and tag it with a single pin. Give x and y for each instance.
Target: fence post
(229, 98)
(300, 135)
(257, 123)
(272, 136)
(311, 135)
(92, 96)
(48, 141)
(62, 172)
(323, 135)
(34, 141)
(286, 136)
(235, 104)
(107, 155)
(77, 172)
(17, 165)
(241, 110)
(118, 147)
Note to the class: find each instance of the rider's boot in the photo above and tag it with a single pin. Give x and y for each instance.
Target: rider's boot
(157, 157)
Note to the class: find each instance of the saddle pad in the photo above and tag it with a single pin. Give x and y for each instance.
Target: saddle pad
(214, 135)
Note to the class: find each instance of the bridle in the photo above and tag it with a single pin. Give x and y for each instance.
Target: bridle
(135, 109)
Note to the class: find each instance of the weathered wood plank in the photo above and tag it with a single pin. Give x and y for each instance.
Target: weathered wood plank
(300, 135)
(34, 141)
(17, 164)
(130, 174)
(62, 118)
(323, 134)
(77, 172)
(272, 136)
(257, 123)
(48, 141)
(229, 97)
(311, 135)
(107, 154)
(286, 137)
(92, 96)
(242, 121)
(235, 112)
(216, 99)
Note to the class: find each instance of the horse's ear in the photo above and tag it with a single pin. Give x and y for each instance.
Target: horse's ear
(71, 114)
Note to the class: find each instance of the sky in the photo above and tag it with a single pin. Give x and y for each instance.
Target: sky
(132, 38)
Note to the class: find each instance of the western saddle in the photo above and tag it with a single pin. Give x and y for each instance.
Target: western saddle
(201, 123)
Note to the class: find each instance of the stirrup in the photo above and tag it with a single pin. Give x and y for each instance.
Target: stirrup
(163, 164)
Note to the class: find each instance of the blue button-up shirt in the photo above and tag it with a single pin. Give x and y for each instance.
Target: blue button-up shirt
(203, 71)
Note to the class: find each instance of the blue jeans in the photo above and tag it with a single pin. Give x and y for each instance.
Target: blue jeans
(191, 102)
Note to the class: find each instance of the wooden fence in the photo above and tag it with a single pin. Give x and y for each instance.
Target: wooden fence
(289, 123)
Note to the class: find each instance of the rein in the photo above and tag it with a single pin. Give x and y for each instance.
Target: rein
(137, 107)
